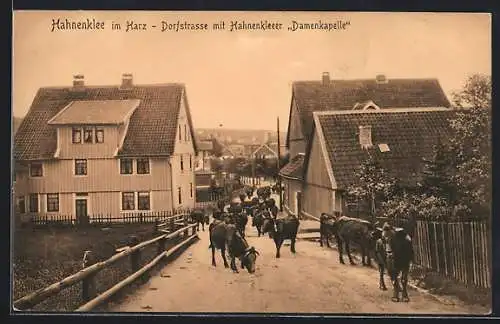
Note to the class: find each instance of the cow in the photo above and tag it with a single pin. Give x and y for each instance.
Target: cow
(258, 221)
(280, 230)
(325, 228)
(241, 220)
(199, 217)
(394, 252)
(224, 236)
(349, 230)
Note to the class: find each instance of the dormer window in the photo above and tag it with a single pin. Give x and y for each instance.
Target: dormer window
(87, 135)
(99, 135)
(142, 166)
(77, 135)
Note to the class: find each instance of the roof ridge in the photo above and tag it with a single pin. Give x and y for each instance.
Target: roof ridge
(385, 110)
(118, 86)
(369, 79)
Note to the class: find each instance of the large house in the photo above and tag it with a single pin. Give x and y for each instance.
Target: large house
(399, 139)
(361, 95)
(83, 150)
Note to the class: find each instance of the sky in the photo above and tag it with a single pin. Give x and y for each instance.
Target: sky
(242, 79)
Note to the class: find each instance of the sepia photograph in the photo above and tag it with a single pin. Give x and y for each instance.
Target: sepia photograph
(251, 162)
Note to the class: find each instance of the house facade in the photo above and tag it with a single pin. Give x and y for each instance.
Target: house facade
(86, 150)
(342, 140)
(205, 149)
(360, 95)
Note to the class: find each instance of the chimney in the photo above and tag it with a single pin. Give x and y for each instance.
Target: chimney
(326, 78)
(365, 136)
(127, 81)
(78, 81)
(381, 79)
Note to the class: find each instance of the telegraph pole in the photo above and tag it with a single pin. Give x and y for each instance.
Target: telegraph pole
(278, 165)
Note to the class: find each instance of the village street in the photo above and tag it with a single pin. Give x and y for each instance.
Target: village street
(312, 281)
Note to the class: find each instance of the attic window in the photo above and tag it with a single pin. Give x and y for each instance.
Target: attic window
(383, 148)
(77, 135)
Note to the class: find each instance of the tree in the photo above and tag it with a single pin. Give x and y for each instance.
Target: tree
(470, 144)
(216, 148)
(375, 185)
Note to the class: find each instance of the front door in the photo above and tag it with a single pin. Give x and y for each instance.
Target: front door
(81, 210)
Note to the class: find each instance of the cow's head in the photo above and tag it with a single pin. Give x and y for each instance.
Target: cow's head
(248, 259)
(268, 224)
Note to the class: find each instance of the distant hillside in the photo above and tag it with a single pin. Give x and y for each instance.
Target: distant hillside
(242, 136)
(16, 122)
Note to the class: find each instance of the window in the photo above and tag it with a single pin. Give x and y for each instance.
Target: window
(128, 201)
(185, 133)
(179, 193)
(190, 162)
(182, 163)
(52, 202)
(36, 169)
(21, 205)
(191, 189)
(180, 133)
(34, 203)
(143, 201)
(77, 135)
(126, 166)
(99, 135)
(87, 135)
(80, 167)
(142, 166)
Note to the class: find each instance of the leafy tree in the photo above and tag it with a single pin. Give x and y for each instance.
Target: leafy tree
(216, 148)
(375, 185)
(470, 144)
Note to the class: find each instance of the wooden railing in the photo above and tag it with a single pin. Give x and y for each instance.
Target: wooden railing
(177, 234)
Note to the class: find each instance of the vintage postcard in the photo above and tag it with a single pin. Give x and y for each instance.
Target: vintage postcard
(251, 162)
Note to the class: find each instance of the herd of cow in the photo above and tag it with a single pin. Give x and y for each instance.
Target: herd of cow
(390, 247)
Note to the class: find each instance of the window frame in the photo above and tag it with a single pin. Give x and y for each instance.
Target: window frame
(182, 162)
(179, 194)
(148, 165)
(31, 205)
(50, 210)
(190, 162)
(180, 133)
(75, 130)
(98, 130)
(191, 189)
(76, 168)
(91, 137)
(123, 194)
(31, 170)
(121, 162)
(139, 199)
(185, 133)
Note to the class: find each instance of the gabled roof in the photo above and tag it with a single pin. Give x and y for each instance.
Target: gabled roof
(410, 135)
(264, 147)
(95, 112)
(294, 168)
(344, 94)
(154, 118)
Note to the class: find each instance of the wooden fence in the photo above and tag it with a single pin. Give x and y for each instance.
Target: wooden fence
(98, 281)
(104, 219)
(459, 250)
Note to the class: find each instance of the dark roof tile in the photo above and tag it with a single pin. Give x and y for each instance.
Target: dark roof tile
(155, 117)
(410, 135)
(344, 94)
(294, 168)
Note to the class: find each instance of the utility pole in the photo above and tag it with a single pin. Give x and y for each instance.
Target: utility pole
(278, 165)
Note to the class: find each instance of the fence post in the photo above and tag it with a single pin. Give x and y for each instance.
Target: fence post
(88, 284)
(161, 246)
(135, 257)
(185, 224)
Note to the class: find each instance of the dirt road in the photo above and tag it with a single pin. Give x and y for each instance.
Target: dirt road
(311, 281)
